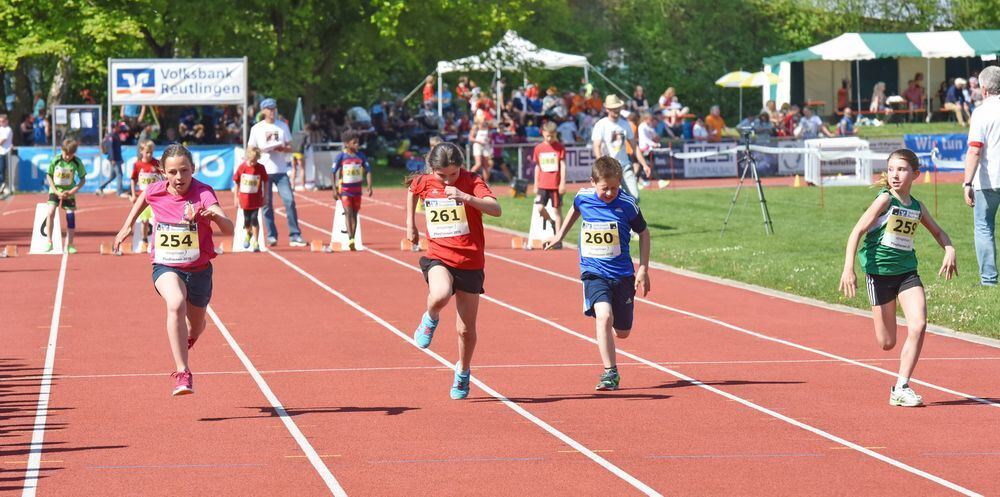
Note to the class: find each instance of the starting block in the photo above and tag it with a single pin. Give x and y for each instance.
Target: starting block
(543, 227)
(9, 251)
(322, 246)
(39, 232)
(520, 242)
(240, 235)
(414, 247)
(340, 239)
(107, 249)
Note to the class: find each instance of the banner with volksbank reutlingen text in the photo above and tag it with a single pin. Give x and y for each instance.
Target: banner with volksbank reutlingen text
(177, 81)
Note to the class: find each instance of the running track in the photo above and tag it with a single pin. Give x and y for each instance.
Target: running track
(307, 383)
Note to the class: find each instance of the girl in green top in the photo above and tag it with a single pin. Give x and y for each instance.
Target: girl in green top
(890, 263)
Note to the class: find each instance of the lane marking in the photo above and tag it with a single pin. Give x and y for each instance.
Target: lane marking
(484, 366)
(768, 292)
(469, 459)
(770, 412)
(718, 322)
(631, 480)
(765, 337)
(175, 466)
(45, 390)
(307, 448)
(730, 456)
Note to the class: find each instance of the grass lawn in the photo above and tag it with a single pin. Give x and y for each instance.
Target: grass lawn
(805, 255)
(889, 130)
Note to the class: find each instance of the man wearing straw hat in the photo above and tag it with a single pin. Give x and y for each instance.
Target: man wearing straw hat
(609, 137)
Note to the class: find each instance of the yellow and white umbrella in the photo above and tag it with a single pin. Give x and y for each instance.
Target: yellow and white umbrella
(760, 79)
(743, 79)
(733, 80)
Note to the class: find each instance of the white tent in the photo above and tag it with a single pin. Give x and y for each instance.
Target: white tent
(511, 53)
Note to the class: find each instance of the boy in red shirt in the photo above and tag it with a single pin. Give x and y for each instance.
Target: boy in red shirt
(145, 172)
(454, 203)
(550, 173)
(248, 193)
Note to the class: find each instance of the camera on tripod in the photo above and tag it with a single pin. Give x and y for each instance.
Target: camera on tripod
(746, 131)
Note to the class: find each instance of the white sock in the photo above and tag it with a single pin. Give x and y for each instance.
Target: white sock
(901, 382)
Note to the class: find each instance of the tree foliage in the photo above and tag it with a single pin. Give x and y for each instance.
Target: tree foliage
(354, 51)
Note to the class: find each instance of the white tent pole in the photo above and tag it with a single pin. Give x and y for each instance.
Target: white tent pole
(857, 83)
(440, 104)
(927, 83)
(524, 93)
(499, 96)
(586, 73)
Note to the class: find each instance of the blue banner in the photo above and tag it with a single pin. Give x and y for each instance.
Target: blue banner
(214, 166)
(951, 148)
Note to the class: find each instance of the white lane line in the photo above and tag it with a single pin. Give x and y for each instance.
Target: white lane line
(45, 390)
(727, 325)
(763, 336)
(693, 381)
(735, 398)
(478, 366)
(631, 480)
(770, 292)
(307, 448)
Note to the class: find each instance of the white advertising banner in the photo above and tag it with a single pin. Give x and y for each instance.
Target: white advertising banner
(716, 166)
(578, 163)
(177, 81)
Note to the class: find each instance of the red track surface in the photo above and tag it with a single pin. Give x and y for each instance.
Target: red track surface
(376, 410)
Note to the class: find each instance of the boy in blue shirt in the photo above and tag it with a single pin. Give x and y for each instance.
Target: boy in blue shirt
(609, 282)
(349, 169)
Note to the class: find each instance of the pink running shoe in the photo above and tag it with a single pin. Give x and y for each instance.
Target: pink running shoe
(183, 383)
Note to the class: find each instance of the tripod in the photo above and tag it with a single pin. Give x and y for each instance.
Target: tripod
(748, 163)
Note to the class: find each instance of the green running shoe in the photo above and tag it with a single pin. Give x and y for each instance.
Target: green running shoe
(71, 249)
(460, 388)
(609, 380)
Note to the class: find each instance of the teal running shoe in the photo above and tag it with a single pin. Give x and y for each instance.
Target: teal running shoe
(609, 380)
(460, 389)
(425, 332)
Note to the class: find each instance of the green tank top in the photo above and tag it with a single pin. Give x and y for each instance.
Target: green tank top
(888, 246)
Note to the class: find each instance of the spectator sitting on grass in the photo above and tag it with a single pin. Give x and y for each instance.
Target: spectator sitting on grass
(846, 125)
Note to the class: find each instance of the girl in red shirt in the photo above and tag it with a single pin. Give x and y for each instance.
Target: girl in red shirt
(145, 172)
(454, 203)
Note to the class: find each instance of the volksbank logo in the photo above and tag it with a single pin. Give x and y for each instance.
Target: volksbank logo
(136, 81)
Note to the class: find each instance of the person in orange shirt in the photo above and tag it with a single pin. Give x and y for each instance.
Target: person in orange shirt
(578, 104)
(715, 124)
(595, 103)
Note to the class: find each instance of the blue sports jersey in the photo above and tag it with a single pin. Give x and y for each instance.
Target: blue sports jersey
(354, 167)
(605, 233)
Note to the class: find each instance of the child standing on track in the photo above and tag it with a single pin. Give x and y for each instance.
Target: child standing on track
(251, 178)
(66, 177)
(890, 263)
(454, 203)
(609, 282)
(145, 172)
(482, 147)
(352, 165)
(550, 173)
(185, 209)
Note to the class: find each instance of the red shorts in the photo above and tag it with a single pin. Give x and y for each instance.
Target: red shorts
(353, 203)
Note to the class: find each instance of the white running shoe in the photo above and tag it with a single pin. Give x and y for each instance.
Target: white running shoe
(904, 397)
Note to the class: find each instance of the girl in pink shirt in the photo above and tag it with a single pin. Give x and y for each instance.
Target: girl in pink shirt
(184, 209)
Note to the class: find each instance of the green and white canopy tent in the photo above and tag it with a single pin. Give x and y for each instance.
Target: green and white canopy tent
(827, 63)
